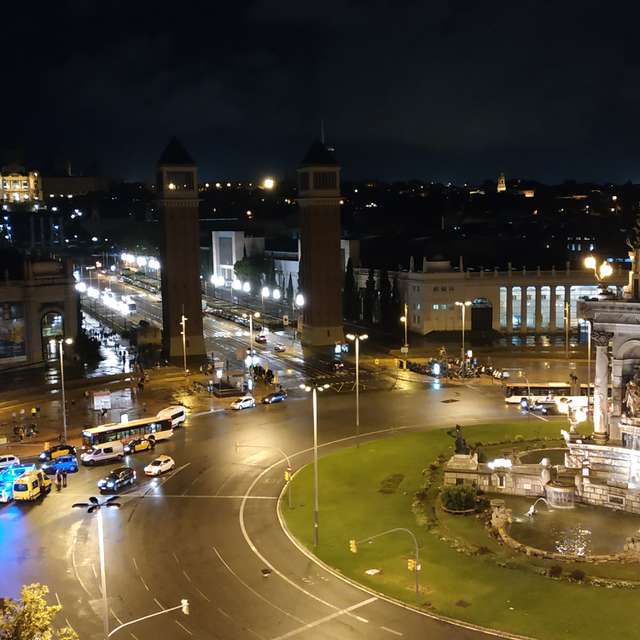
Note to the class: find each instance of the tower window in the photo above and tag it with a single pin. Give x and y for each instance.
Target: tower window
(325, 180)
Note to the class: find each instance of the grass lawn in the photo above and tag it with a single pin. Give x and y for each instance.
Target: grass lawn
(471, 588)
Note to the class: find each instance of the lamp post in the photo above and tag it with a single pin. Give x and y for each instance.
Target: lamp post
(94, 505)
(588, 365)
(299, 303)
(264, 293)
(61, 342)
(357, 338)
(316, 508)
(405, 320)
(251, 316)
(463, 306)
(567, 310)
(183, 333)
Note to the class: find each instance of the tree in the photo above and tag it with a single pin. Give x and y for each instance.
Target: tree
(350, 302)
(31, 617)
(396, 303)
(290, 289)
(385, 299)
(369, 297)
(250, 269)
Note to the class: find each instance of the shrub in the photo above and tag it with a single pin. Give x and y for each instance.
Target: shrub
(555, 571)
(482, 550)
(519, 438)
(578, 575)
(391, 483)
(482, 456)
(459, 497)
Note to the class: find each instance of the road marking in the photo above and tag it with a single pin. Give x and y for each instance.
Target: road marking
(331, 616)
(58, 599)
(224, 613)
(113, 613)
(158, 603)
(202, 594)
(175, 557)
(255, 593)
(186, 575)
(205, 413)
(539, 417)
(143, 582)
(393, 631)
(69, 624)
(135, 564)
(183, 627)
(163, 495)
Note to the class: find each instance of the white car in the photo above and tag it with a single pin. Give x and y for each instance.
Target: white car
(161, 464)
(246, 402)
(279, 348)
(6, 460)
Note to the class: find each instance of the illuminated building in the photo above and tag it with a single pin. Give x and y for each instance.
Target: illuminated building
(18, 186)
(502, 183)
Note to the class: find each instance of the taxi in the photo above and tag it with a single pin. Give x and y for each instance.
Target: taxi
(58, 450)
(138, 444)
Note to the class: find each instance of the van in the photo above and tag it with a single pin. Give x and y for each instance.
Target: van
(103, 452)
(7, 460)
(31, 485)
(177, 413)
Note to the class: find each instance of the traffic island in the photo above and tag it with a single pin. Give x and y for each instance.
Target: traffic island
(464, 573)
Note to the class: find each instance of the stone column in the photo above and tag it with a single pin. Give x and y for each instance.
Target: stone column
(538, 307)
(552, 308)
(523, 309)
(567, 301)
(601, 387)
(509, 309)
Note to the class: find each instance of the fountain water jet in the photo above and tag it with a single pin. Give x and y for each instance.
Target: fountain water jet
(532, 509)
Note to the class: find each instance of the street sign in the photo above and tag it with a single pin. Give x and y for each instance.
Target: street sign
(404, 349)
(285, 321)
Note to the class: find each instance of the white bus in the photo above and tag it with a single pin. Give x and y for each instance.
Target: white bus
(548, 392)
(152, 428)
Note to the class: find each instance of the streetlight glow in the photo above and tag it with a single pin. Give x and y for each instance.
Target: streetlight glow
(268, 183)
(590, 262)
(246, 287)
(300, 300)
(276, 294)
(265, 292)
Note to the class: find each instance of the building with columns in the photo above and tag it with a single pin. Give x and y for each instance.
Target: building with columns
(510, 301)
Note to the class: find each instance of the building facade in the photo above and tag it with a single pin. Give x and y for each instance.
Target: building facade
(19, 186)
(38, 303)
(177, 186)
(511, 301)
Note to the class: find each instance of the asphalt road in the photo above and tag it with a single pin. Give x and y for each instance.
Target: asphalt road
(208, 530)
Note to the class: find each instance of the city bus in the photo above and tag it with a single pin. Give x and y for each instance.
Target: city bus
(547, 392)
(152, 428)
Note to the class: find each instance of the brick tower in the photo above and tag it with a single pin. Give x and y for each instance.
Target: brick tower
(177, 187)
(320, 269)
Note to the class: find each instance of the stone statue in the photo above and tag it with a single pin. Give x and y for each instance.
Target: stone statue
(461, 446)
(632, 397)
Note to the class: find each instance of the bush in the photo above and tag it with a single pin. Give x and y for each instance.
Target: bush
(578, 575)
(482, 456)
(391, 483)
(459, 497)
(555, 571)
(519, 438)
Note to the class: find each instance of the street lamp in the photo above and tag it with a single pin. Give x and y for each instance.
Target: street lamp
(61, 342)
(405, 320)
(316, 509)
(463, 306)
(588, 323)
(94, 505)
(601, 272)
(357, 338)
(183, 333)
(251, 316)
(264, 293)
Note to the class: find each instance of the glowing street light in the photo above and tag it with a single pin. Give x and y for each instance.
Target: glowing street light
(251, 316)
(357, 338)
(601, 272)
(276, 294)
(61, 342)
(299, 300)
(268, 184)
(246, 287)
(405, 321)
(463, 306)
(316, 509)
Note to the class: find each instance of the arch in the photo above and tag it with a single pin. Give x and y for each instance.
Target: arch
(51, 328)
(630, 349)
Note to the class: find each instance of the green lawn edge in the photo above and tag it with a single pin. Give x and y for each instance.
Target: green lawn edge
(472, 589)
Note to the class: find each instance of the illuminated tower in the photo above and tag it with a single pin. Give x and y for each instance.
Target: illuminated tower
(502, 183)
(177, 185)
(320, 270)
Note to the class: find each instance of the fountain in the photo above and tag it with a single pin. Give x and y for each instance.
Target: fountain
(532, 509)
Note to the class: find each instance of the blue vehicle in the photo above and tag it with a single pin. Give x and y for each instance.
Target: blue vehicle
(7, 477)
(276, 396)
(68, 463)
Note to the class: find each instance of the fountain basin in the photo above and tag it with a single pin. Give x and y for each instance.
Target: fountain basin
(560, 495)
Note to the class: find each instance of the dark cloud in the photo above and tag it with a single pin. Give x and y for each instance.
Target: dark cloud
(449, 90)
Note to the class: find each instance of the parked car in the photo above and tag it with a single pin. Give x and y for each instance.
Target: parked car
(336, 365)
(261, 338)
(58, 450)
(117, 478)
(276, 396)
(160, 465)
(7, 460)
(139, 444)
(68, 463)
(246, 402)
(279, 348)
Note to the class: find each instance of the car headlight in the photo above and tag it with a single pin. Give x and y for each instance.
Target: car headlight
(109, 484)
(127, 449)
(43, 456)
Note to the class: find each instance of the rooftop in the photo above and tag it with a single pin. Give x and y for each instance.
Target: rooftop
(176, 154)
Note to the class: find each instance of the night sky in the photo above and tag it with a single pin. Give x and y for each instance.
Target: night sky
(436, 90)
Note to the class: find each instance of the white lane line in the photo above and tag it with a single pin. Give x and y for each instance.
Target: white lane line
(113, 613)
(69, 624)
(158, 603)
(255, 593)
(331, 616)
(186, 575)
(143, 582)
(205, 413)
(539, 417)
(183, 627)
(202, 594)
(58, 599)
(133, 635)
(224, 613)
(135, 564)
(164, 495)
(175, 557)
(393, 631)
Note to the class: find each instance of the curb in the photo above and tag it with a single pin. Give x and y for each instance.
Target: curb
(452, 621)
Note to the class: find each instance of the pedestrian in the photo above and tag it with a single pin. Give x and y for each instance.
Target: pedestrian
(58, 480)
(64, 478)
(103, 411)
(34, 412)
